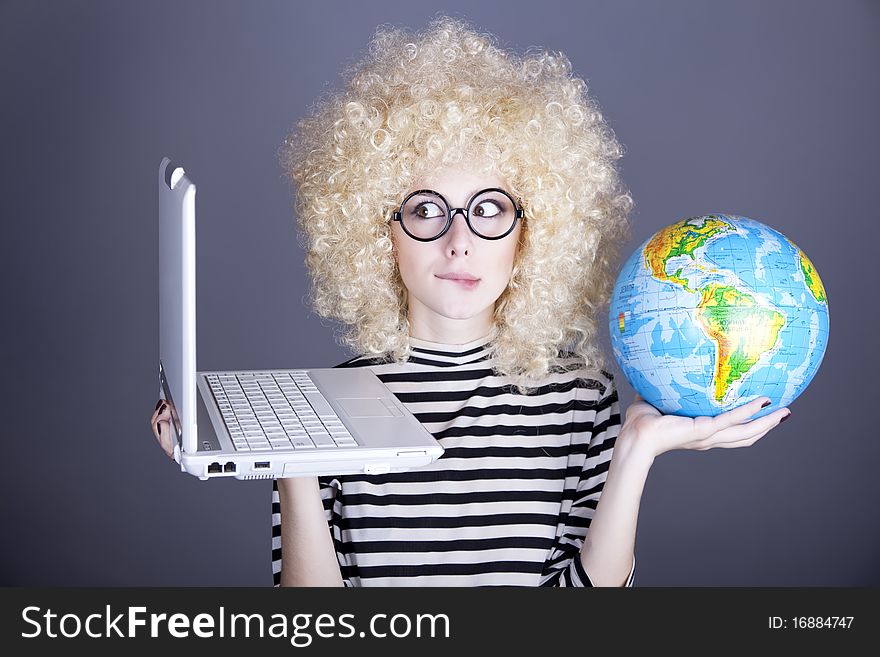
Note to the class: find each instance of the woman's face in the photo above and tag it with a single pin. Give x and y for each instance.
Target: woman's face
(442, 309)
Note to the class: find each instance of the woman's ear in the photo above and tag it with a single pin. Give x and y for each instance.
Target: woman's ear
(392, 235)
(520, 240)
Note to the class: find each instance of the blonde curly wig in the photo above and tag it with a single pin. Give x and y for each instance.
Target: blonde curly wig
(444, 96)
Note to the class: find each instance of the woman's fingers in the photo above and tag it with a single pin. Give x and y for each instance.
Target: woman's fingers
(161, 413)
(745, 433)
(160, 422)
(707, 426)
(747, 442)
(164, 429)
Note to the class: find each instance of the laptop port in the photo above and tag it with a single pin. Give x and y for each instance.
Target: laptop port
(261, 465)
(229, 467)
(215, 467)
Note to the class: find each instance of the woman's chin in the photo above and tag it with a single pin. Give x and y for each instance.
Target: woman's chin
(462, 312)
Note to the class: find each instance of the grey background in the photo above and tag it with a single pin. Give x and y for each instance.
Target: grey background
(766, 109)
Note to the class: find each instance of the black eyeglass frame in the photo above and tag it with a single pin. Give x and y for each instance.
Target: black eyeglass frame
(397, 215)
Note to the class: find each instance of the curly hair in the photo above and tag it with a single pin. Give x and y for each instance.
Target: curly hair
(450, 95)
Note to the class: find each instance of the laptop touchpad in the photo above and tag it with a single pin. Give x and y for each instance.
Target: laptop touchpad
(364, 407)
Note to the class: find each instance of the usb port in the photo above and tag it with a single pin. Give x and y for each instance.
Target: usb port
(261, 465)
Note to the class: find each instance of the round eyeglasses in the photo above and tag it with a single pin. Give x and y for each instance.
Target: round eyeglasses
(491, 214)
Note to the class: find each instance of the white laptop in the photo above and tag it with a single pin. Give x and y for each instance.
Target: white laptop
(267, 423)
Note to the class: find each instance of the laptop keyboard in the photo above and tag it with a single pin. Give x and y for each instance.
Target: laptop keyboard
(265, 411)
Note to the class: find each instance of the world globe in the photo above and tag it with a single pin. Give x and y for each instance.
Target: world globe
(715, 311)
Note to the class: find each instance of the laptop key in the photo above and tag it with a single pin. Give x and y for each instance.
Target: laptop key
(322, 440)
(321, 406)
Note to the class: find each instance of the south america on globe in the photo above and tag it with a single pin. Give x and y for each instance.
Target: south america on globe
(714, 311)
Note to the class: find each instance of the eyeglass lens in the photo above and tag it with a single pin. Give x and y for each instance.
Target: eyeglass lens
(491, 214)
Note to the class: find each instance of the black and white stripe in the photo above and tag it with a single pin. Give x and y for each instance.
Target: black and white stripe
(510, 500)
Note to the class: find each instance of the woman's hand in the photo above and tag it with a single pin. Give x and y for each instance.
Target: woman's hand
(650, 430)
(160, 423)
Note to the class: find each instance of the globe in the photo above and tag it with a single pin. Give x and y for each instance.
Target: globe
(715, 311)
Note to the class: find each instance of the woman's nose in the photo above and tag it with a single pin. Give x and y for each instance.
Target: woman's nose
(459, 237)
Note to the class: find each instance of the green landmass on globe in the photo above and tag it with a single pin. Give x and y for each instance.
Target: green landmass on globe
(742, 330)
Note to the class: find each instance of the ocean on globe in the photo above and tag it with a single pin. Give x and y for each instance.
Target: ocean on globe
(715, 311)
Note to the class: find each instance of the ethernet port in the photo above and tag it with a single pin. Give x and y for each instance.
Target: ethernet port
(215, 467)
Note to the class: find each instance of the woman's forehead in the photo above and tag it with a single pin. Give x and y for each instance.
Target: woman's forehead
(457, 179)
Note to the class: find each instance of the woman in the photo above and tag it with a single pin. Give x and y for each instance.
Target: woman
(462, 214)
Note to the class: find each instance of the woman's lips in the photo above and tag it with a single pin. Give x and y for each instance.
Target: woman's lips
(463, 282)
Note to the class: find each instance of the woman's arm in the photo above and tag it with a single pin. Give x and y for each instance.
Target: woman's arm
(607, 551)
(308, 557)
(647, 433)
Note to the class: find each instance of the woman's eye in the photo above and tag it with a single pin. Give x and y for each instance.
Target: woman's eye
(428, 210)
(487, 209)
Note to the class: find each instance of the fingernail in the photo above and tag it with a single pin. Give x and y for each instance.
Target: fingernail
(785, 417)
(159, 403)
(765, 404)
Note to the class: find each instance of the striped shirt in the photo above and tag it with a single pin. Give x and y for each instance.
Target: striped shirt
(510, 500)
